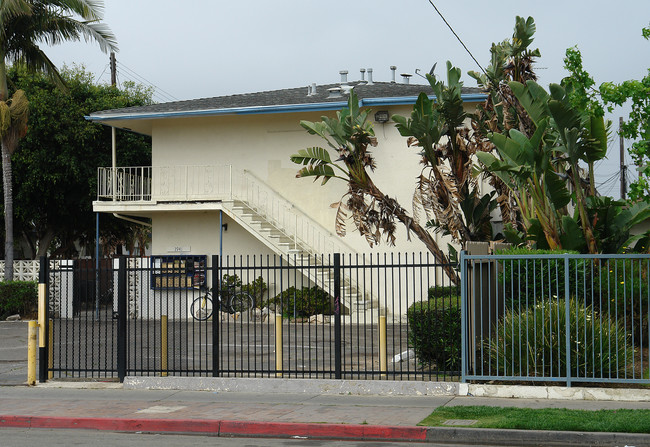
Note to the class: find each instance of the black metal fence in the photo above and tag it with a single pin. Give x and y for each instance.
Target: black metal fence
(387, 316)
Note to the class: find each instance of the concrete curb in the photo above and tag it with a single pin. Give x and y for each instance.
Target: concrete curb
(308, 386)
(382, 387)
(226, 428)
(559, 392)
(502, 437)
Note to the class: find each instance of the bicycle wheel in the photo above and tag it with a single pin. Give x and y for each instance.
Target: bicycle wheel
(242, 302)
(201, 308)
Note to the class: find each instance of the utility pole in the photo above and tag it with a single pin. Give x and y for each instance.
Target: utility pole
(623, 168)
(113, 70)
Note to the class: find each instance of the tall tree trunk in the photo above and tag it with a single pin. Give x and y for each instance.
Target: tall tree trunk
(422, 234)
(9, 212)
(431, 245)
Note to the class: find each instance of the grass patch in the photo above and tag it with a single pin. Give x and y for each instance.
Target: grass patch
(555, 419)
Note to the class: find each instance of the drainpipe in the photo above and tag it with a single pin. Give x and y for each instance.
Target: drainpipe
(130, 219)
(114, 161)
(114, 180)
(97, 267)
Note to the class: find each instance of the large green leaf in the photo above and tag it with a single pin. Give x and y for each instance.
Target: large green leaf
(572, 237)
(533, 98)
(312, 156)
(598, 131)
(324, 171)
(556, 189)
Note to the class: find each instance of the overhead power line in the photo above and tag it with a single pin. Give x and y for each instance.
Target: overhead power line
(457, 37)
(132, 75)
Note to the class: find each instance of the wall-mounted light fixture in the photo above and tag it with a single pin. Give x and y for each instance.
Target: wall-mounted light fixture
(381, 116)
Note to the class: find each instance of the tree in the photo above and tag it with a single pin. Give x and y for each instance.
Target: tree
(23, 25)
(58, 158)
(608, 95)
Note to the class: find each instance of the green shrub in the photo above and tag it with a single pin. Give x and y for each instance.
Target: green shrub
(443, 291)
(521, 280)
(434, 332)
(304, 302)
(625, 291)
(18, 297)
(257, 289)
(533, 342)
(233, 283)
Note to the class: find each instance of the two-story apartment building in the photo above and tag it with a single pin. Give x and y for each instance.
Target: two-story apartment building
(221, 180)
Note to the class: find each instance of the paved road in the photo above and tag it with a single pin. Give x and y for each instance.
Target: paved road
(21, 437)
(13, 352)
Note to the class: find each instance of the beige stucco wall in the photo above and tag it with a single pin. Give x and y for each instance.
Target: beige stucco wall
(263, 145)
(198, 233)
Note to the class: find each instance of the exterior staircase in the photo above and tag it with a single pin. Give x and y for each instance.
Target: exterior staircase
(254, 205)
(292, 234)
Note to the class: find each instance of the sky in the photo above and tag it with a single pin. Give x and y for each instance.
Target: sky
(206, 48)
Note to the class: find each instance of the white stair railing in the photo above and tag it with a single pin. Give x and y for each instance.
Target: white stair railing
(306, 234)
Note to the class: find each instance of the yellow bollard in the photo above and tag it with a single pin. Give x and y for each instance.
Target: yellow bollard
(42, 303)
(383, 365)
(278, 345)
(31, 352)
(50, 354)
(163, 345)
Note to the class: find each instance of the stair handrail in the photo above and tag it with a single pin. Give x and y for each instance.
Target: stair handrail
(284, 214)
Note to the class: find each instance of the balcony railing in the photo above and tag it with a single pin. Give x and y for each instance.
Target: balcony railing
(164, 183)
(204, 183)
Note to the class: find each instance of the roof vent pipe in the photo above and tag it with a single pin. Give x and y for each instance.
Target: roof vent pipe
(313, 89)
(344, 76)
(393, 68)
(363, 75)
(370, 76)
(335, 92)
(406, 77)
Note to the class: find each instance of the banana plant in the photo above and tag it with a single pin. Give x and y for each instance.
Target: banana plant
(576, 143)
(374, 214)
(540, 168)
(446, 189)
(524, 165)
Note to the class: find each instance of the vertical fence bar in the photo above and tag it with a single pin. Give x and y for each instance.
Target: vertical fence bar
(383, 365)
(163, 346)
(216, 314)
(279, 355)
(337, 316)
(43, 318)
(121, 319)
(463, 317)
(567, 320)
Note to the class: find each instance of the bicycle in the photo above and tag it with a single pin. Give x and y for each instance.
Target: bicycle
(231, 302)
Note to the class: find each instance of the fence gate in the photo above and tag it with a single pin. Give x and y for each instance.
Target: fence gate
(327, 316)
(82, 325)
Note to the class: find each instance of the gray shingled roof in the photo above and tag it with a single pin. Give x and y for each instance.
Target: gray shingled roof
(285, 97)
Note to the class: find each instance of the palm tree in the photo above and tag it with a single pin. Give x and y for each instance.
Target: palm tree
(24, 24)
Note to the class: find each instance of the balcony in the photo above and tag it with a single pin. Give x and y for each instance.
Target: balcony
(144, 190)
(149, 185)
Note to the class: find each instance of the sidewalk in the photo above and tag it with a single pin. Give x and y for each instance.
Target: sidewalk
(281, 413)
